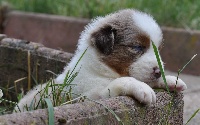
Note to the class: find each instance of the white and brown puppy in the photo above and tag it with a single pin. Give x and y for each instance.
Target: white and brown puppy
(119, 59)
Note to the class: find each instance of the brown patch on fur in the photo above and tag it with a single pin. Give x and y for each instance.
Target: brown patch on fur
(119, 60)
(144, 39)
(125, 53)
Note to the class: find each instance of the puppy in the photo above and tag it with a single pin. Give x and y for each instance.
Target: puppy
(119, 60)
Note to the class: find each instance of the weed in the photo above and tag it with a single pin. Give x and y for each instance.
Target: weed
(57, 93)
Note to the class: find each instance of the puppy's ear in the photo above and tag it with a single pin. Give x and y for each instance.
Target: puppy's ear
(103, 39)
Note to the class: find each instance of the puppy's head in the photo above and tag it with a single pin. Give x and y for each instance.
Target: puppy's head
(123, 42)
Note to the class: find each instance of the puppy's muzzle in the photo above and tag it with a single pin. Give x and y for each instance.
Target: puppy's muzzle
(156, 72)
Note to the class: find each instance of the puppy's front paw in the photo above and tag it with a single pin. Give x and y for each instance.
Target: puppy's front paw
(129, 86)
(144, 94)
(173, 85)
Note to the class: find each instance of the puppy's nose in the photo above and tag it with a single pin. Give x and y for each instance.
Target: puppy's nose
(156, 72)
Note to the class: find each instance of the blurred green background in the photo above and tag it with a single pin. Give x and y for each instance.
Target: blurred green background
(173, 13)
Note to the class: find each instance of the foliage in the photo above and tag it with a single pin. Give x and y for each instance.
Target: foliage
(176, 13)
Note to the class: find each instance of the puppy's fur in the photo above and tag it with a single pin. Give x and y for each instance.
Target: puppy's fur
(119, 59)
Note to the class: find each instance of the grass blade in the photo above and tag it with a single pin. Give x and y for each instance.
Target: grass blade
(78, 62)
(193, 115)
(29, 70)
(160, 65)
(187, 63)
(49, 71)
(110, 110)
(50, 111)
(180, 70)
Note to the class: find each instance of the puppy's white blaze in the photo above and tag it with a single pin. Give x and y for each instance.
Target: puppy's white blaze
(147, 24)
(143, 67)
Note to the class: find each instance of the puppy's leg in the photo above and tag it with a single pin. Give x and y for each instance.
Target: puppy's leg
(33, 96)
(131, 87)
(171, 82)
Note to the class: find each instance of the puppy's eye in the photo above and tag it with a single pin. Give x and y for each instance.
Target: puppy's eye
(138, 48)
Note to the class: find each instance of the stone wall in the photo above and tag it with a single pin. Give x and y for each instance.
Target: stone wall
(14, 63)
